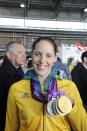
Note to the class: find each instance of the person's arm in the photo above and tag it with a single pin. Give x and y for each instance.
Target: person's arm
(12, 120)
(77, 117)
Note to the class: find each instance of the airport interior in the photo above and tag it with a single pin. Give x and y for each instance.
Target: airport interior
(63, 20)
(44, 87)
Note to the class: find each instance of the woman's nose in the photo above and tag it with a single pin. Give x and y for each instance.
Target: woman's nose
(43, 58)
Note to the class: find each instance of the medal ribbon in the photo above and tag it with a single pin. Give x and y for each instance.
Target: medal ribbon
(47, 95)
(50, 88)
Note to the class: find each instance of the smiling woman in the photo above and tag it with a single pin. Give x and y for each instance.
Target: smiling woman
(43, 58)
(41, 109)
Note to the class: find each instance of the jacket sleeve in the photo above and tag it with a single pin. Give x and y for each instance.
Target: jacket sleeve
(78, 115)
(12, 122)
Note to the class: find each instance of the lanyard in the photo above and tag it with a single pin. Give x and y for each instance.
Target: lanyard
(43, 95)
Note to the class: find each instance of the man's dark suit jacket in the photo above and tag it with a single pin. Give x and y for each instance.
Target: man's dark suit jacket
(8, 75)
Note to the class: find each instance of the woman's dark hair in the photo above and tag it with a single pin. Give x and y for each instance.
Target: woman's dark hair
(45, 39)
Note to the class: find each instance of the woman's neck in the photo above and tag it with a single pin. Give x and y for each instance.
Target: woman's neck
(42, 80)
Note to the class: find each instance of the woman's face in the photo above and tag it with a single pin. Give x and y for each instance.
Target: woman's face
(43, 58)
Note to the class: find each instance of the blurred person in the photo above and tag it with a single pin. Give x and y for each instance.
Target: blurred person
(62, 69)
(30, 104)
(10, 72)
(1, 60)
(79, 76)
(29, 64)
(71, 63)
(77, 61)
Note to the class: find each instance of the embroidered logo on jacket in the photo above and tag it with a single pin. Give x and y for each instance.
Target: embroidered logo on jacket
(25, 95)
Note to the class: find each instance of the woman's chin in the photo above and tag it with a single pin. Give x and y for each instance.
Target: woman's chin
(42, 73)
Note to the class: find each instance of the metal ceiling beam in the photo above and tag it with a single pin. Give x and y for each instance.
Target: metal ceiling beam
(83, 16)
(59, 3)
(35, 32)
(27, 7)
(56, 7)
(12, 1)
(73, 5)
(41, 2)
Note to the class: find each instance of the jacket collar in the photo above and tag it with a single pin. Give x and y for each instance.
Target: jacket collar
(9, 68)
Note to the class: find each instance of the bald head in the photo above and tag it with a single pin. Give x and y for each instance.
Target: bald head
(10, 47)
(16, 53)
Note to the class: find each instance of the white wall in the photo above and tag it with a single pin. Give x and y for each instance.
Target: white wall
(66, 51)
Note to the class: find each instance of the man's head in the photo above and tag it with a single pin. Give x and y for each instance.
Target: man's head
(16, 53)
(84, 57)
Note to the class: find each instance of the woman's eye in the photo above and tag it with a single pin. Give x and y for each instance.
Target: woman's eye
(49, 56)
(37, 54)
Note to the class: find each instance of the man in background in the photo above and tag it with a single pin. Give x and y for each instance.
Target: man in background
(79, 76)
(10, 72)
